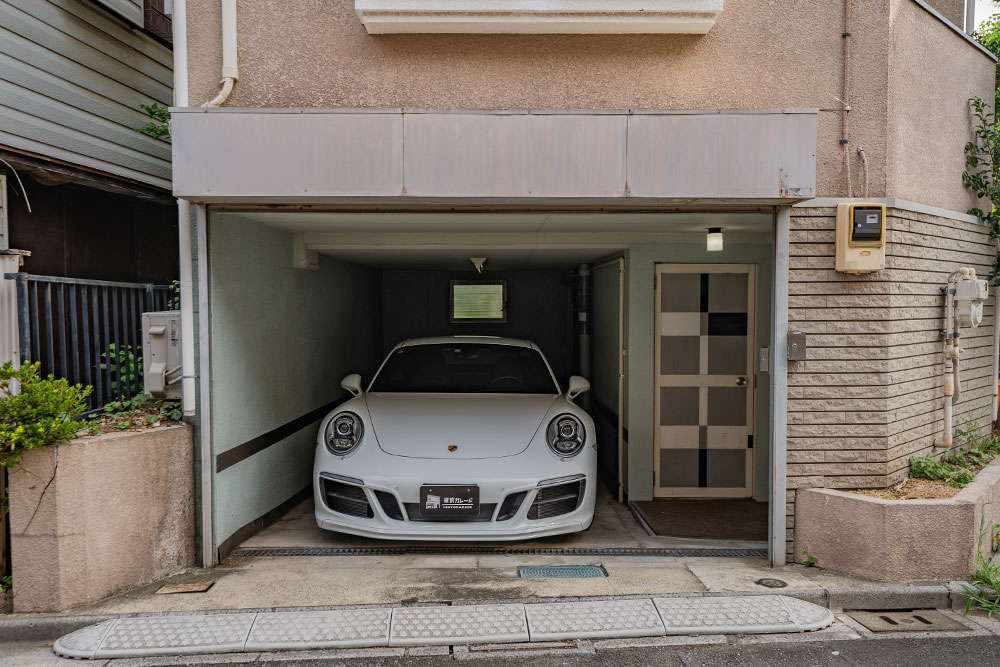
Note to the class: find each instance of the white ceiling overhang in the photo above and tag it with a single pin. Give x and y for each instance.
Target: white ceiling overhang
(500, 158)
(538, 16)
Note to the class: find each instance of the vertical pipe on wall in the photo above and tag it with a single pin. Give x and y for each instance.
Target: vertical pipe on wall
(583, 296)
(846, 91)
(970, 16)
(779, 389)
(205, 387)
(179, 24)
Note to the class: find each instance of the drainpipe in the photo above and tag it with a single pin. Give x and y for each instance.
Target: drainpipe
(970, 16)
(952, 354)
(995, 403)
(583, 324)
(179, 22)
(230, 72)
(846, 91)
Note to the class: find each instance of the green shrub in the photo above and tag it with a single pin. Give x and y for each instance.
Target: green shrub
(951, 473)
(44, 412)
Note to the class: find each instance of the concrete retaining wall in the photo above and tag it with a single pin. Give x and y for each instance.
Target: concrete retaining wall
(99, 514)
(898, 540)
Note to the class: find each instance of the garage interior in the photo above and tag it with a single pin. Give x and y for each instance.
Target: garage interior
(580, 285)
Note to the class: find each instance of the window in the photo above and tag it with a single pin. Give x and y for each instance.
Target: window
(478, 301)
(465, 368)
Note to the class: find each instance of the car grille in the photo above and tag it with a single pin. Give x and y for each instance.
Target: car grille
(389, 505)
(485, 514)
(557, 500)
(346, 499)
(511, 504)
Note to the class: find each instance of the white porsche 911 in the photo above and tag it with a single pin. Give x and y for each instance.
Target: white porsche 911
(458, 438)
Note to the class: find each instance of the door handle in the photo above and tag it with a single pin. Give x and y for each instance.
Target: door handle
(741, 381)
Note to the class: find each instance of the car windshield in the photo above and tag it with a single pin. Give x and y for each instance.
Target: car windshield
(465, 368)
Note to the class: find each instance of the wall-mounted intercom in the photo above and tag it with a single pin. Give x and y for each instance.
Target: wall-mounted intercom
(860, 242)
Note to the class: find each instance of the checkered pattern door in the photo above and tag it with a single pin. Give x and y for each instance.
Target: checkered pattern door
(704, 390)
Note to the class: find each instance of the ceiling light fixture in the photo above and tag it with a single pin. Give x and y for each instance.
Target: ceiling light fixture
(713, 242)
(479, 263)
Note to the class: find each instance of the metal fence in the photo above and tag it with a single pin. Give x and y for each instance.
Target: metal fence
(87, 331)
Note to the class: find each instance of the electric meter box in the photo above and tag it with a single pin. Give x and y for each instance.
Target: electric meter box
(860, 241)
(161, 354)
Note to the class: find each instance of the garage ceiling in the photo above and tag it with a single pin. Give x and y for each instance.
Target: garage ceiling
(508, 240)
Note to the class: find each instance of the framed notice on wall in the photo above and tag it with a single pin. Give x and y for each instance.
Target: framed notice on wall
(475, 301)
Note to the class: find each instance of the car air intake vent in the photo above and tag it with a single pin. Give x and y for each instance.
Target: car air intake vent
(511, 504)
(346, 499)
(389, 505)
(557, 500)
(485, 514)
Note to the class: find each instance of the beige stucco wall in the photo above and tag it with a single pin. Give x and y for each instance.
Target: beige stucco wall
(929, 117)
(316, 53)
(96, 515)
(869, 395)
(953, 10)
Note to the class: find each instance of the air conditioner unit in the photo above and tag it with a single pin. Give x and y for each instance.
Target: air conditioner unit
(161, 354)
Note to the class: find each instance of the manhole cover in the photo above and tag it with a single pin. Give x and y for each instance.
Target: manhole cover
(917, 620)
(771, 583)
(562, 572)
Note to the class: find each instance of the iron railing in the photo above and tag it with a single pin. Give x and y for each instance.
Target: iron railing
(87, 331)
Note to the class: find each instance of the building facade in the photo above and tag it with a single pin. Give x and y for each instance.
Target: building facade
(358, 153)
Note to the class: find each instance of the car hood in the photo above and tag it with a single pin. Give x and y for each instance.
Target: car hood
(479, 426)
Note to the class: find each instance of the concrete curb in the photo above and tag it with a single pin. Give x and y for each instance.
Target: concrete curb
(937, 596)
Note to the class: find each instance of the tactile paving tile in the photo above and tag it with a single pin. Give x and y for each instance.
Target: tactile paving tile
(320, 629)
(176, 635)
(739, 615)
(809, 616)
(84, 642)
(593, 620)
(474, 624)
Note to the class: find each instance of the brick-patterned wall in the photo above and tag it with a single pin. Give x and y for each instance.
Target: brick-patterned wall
(869, 394)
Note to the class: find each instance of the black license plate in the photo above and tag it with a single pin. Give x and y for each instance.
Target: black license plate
(450, 501)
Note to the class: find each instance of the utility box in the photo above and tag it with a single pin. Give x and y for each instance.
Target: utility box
(161, 357)
(860, 242)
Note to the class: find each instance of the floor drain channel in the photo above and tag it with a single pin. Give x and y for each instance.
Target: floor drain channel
(917, 620)
(272, 552)
(562, 572)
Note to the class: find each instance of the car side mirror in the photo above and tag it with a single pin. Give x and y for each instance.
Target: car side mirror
(577, 385)
(352, 383)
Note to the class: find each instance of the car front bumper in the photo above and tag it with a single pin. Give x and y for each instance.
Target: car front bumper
(379, 493)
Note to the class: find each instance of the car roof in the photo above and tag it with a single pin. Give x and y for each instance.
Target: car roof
(482, 340)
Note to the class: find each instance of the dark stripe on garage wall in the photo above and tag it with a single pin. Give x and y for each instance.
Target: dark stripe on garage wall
(231, 457)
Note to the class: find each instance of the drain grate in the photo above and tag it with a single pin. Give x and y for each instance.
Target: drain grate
(562, 572)
(443, 550)
(916, 620)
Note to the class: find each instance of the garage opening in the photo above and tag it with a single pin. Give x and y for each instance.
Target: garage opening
(298, 300)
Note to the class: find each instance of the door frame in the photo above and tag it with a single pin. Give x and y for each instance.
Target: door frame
(707, 492)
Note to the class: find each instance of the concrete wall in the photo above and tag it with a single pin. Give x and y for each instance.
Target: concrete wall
(282, 339)
(869, 395)
(316, 53)
(93, 516)
(899, 540)
(641, 309)
(926, 132)
(953, 10)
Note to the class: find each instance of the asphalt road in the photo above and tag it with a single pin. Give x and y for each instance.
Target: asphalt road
(937, 652)
(967, 651)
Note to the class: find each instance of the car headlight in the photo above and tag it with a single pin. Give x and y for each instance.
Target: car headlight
(343, 433)
(566, 435)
